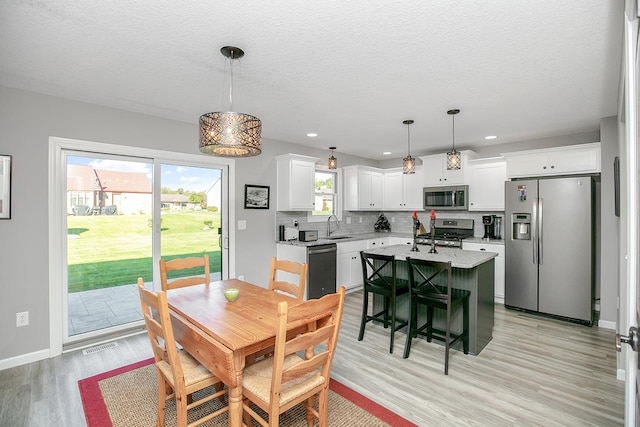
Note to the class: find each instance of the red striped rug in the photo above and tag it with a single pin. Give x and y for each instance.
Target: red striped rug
(97, 413)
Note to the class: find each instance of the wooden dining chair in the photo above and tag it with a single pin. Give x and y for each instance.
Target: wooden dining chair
(431, 286)
(281, 269)
(285, 380)
(380, 278)
(179, 374)
(202, 264)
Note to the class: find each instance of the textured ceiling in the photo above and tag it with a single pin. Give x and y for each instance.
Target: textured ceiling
(350, 71)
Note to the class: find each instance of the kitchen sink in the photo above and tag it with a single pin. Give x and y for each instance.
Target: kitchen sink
(338, 237)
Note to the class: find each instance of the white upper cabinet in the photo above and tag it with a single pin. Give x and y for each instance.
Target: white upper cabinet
(296, 182)
(403, 191)
(486, 179)
(436, 173)
(363, 188)
(574, 159)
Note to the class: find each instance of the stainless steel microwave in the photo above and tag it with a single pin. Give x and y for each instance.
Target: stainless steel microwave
(452, 198)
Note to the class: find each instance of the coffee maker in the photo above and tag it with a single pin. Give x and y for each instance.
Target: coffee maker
(487, 221)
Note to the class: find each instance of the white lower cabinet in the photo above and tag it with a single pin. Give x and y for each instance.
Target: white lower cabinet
(349, 266)
(499, 265)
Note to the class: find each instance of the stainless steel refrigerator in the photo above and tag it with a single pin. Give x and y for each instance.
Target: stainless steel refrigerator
(549, 249)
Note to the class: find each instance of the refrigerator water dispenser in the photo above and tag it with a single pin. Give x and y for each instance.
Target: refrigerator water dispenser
(521, 226)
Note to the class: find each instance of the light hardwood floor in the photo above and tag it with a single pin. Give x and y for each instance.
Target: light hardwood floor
(535, 372)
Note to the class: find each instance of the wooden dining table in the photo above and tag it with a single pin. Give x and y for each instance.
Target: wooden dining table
(220, 333)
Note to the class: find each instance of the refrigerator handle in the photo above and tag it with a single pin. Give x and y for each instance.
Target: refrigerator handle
(540, 243)
(534, 230)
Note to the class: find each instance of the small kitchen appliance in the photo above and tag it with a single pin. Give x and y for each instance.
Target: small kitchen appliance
(308, 235)
(487, 221)
(497, 227)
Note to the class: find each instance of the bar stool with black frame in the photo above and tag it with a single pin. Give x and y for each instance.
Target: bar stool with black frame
(425, 291)
(380, 278)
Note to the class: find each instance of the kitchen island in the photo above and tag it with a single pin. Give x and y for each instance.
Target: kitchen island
(472, 271)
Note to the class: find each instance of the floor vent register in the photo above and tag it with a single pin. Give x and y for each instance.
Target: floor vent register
(100, 347)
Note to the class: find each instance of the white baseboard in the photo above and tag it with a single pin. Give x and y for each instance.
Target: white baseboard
(607, 324)
(23, 359)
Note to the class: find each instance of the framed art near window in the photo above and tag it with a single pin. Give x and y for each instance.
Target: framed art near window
(5, 187)
(256, 196)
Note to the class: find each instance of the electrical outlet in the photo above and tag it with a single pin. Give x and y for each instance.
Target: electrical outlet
(348, 220)
(393, 219)
(22, 318)
(360, 219)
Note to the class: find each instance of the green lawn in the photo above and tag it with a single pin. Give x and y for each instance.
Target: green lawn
(105, 251)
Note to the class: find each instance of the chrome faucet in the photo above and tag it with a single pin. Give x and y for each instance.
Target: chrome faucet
(329, 224)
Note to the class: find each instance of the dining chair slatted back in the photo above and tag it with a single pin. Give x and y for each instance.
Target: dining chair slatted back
(380, 278)
(431, 286)
(290, 377)
(200, 263)
(179, 374)
(290, 269)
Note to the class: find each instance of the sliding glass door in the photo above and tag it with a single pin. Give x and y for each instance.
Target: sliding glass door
(191, 215)
(123, 213)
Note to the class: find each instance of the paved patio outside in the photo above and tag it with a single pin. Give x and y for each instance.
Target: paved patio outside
(104, 308)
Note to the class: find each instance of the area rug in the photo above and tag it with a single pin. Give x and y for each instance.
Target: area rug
(127, 397)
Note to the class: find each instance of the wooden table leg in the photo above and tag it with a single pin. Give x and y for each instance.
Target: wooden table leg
(235, 393)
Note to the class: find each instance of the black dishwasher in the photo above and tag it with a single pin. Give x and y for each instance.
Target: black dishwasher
(322, 270)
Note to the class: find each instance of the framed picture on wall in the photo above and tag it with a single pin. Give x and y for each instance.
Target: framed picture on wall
(256, 196)
(5, 187)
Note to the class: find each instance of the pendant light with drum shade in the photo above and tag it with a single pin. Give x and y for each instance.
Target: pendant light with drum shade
(333, 162)
(453, 156)
(409, 163)
(230, 134)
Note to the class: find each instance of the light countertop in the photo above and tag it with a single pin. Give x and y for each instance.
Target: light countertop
(459, 258)
(322, 240)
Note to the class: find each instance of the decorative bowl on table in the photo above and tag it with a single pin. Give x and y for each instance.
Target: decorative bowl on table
(231, 294)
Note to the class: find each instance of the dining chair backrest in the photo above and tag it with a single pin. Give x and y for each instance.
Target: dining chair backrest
(179, 373)
(281, 269)
(155, 312)
(200, 263)
(296, 377)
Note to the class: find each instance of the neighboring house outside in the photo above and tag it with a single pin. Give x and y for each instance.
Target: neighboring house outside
(97, 191)
(176, 202)
(214, 195)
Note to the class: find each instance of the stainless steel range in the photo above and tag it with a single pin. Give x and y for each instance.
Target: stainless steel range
(448, 232)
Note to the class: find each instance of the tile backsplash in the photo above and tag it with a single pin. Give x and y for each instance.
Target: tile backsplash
(357, 222)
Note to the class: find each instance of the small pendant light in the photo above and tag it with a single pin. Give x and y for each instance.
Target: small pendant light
(333, 162)
(453, 156)
(409, 163)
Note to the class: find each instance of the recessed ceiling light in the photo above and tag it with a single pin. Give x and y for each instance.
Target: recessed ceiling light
(312, 135)
(490, 137)
(386, 153)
